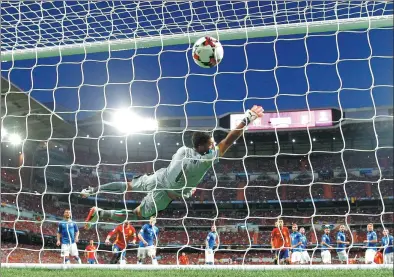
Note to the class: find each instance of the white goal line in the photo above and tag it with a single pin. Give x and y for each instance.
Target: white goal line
(198, 267)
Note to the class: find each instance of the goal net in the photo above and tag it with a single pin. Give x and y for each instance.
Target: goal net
(96, 92)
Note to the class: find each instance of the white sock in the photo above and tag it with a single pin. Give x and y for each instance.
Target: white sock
(154, 261)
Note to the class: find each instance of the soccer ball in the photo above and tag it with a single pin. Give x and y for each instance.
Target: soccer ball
(207, 52)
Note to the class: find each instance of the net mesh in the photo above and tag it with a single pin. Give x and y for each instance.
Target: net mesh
(70, 144)
(40, 24)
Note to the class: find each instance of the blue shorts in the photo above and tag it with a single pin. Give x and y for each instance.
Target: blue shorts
(91, 261)
(116, 249)
(283, 254)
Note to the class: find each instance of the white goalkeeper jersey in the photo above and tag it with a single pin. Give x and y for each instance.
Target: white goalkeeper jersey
(186, 170)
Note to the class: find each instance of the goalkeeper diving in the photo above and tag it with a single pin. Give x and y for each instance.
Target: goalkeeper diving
(180, 179)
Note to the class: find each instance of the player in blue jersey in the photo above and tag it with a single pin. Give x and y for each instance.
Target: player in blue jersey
(325, 246)
(341, 245)
(296, 245)
(370, 243)
(148, 236)
(304, 254)
(210, 244)
(387, 247)
(68, 236)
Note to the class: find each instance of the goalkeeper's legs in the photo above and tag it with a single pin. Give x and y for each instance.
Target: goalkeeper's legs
(144, 183)
(117, 215)
(151, 204)
(116, 187)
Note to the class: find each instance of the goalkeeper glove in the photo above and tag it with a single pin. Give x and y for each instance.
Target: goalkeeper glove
(250, 116)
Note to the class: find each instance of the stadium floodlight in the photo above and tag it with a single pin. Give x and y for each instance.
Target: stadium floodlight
(293, 140)
(15, 139)
(177, 143)
(314, 139)
(251, 142)
(128, 122)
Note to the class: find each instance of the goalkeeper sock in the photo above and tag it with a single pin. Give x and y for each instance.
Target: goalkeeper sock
(119, 216)
(112, 187)
(66, 260)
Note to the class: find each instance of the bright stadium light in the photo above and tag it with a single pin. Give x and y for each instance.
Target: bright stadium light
(177, 143)
(314, 139)
(293, 140)
(15, 139)
(127, 122)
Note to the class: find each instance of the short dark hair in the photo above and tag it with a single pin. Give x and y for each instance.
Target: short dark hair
(200, 138)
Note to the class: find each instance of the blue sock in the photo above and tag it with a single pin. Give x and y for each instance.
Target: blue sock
(66, 260)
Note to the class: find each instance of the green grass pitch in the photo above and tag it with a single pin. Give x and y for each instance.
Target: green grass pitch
(193, 273)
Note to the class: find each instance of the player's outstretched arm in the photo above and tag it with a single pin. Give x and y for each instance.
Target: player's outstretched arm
(250, 115)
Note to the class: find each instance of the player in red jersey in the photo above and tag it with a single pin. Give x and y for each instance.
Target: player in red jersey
(125, 233)
(183, 259)
(280, 242)
(90, 252)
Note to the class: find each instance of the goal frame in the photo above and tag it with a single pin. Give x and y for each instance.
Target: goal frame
(275, 30)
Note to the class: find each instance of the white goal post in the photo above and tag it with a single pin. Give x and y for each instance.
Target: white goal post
(365, 21)
(189, 38)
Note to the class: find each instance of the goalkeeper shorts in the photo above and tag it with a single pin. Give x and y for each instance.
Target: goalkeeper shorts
(154, 202)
